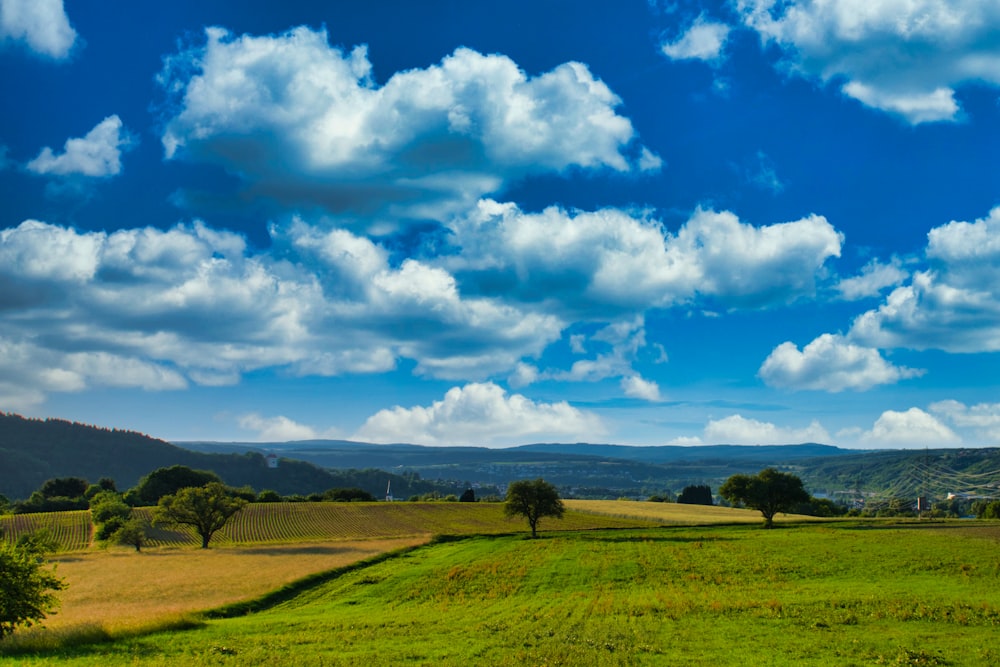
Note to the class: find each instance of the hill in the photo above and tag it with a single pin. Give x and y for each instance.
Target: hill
(610, 471)
(34, 450)
(580, 470)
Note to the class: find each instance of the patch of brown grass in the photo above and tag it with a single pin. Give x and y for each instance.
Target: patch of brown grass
(121, 591)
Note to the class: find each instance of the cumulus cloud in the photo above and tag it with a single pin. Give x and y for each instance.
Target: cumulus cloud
(952, 305)
(637, 387)
(905, 57)
(278, 429)
(738, 430)
(478, 414)
(982, 418)
(193, 304)
(41, 24)
(830, 363)
(97, 155)
(29, 371)
(913, 427)
(305, 123)
(874, 277)
(703, 40)
(592, 264)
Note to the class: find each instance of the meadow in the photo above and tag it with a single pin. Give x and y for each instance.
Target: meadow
(841, 593)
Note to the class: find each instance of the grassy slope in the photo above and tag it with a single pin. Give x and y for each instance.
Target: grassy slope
(844, 594)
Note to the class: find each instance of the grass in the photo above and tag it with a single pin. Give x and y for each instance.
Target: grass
(822, 594)
(114, 592)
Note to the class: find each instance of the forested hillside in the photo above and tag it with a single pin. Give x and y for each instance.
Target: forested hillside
(34, 450)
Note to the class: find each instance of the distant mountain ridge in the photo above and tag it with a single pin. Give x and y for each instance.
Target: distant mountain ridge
(34, 450)
(580, 469)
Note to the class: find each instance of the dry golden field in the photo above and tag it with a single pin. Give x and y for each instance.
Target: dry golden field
(676, 513)
(121, 590)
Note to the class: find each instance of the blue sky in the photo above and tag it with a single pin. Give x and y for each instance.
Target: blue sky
(647, 223)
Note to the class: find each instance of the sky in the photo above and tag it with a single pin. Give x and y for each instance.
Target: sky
(646, 222)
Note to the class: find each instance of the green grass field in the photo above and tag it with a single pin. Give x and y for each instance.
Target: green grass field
(809, 594)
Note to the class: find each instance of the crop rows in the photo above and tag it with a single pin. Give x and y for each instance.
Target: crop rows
(71, 530)
(276, 523)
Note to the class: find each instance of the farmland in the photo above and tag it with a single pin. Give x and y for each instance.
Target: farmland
(841, 593)
(285, 523)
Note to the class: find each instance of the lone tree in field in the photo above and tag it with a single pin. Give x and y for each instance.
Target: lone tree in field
(25, 588)
(769, 491)
(533, 499)
(206, 509)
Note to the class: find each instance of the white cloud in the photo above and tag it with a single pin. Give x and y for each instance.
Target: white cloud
(305, 123)
(97, 155)
(193, 304)
(874, 277)
(596, 264)
(738, 430)
(703, 40)
(685, 441)
(41, 24)
(479, 414)
(905, 57)
(970, 250)
(278, 429)
(913, 427)
(637, 387)
(830, 363)
(29, 371)
(982, 418)
(523, 375)
(952, 305)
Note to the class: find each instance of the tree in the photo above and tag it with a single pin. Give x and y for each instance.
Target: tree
(64, 487)
(166, 481)
(533, 499)
(696, 494)
(352, 494)
(769, 491)
(206, 509)
(25, 587)
(269, 496)
(468, 496)
(109, 513)
(132, 533)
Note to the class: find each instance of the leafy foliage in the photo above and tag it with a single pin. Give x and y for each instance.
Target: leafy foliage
(206, 509)
(348, 495)
(769, 491)
(132, 532)
(167, 481)
(696, 494)
(533, 499)
(26, 596)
